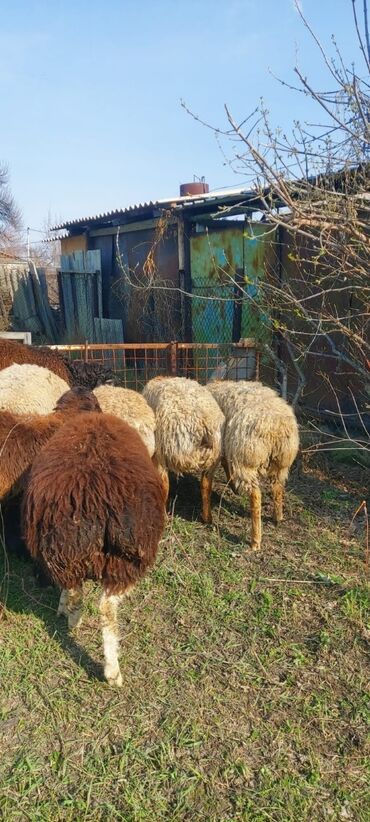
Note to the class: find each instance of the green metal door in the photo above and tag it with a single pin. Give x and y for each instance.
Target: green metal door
(215, 258)
(257, 239)
(220, 259)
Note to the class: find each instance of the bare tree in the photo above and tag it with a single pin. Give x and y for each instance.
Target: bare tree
(10, 218)
(313, 184)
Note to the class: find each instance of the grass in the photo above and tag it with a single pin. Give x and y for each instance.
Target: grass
(246, 678)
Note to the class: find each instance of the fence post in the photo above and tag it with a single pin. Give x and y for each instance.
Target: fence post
(173, 358)
(86, 350)
(258, 359)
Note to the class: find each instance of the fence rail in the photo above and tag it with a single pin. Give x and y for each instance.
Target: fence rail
(136, 363)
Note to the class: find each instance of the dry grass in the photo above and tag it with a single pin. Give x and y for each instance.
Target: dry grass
(245, 693)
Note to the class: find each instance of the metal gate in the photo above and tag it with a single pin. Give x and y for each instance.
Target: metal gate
(227, 264)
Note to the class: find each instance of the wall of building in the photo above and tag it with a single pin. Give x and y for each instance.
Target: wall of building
(75, 243)
(329, 381)
(130, 266)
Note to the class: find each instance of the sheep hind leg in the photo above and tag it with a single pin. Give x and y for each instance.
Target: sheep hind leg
(226, 468)
(70, 605)
(74, 607)
(165, 483)
(256, 527)
(108, 608)
(277, 489)
(206, 491)
(62, 607)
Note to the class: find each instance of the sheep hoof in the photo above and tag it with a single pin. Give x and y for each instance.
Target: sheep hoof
(113, 678)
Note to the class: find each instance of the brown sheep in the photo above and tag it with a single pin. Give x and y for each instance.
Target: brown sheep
(94, 509)
(22, 437)
(13, 352)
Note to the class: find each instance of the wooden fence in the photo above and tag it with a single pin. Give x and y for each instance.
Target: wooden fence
(24, 301)
(81, 299)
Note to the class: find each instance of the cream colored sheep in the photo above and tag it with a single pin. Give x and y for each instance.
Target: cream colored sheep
(130, 407)
(188, 432)
(260, 440)
(230, 389)
(30, 389)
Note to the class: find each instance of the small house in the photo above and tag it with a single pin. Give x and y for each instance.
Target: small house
(161, 261)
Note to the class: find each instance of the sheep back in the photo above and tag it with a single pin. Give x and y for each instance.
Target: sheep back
(130, 407)
(30, 389)
(261, 432)
(93, 506)
(189, 424)
(225, 392)
(13, 352)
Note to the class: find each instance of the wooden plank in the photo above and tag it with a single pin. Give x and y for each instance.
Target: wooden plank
(108, 331)
(93, 260)
(68, 304)
(93, 265)
(65, 262)
(90, 306)
(84, 291)
(41, 300)
(81, 308)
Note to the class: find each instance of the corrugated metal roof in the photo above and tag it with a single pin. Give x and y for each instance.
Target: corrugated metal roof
(218, 198)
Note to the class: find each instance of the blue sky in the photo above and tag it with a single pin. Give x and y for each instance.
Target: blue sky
(90, 92)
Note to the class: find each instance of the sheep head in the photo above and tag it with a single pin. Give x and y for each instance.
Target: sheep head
(76, 400)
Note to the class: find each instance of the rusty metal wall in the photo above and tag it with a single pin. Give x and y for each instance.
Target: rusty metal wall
(216, 257)
(258, 242)
(225, 262)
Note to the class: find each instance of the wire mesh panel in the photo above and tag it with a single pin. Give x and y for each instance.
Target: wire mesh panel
(135, 364)
(218, 361)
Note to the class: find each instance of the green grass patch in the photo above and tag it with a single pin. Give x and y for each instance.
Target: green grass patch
(245, 678)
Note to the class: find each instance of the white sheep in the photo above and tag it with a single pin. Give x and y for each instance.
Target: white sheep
(130, 407)
(30, 389)
(260, 439)
(188, 432)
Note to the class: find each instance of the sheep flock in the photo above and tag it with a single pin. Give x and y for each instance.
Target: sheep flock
(84, 468)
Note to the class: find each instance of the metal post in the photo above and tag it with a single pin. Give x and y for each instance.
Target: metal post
(173, 358)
